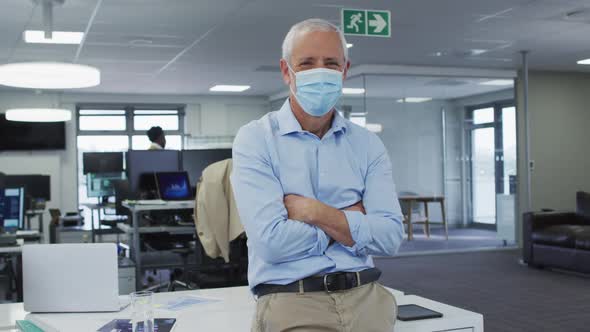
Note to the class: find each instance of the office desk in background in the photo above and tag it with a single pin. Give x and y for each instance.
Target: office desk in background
(135, 230)
(30, 214)
(411, 200)
(14, 256)
(232, 312)
(96, 207)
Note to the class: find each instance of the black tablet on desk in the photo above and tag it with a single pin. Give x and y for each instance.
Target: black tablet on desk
(409, 312)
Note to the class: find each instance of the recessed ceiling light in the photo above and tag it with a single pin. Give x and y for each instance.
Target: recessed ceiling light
(349, 45)
(229, 88)
(353, 91)
(374, 127)
(57, 37)
(48, 75)
(414, 100)
(584, 62)
(497, 82)
(477, 51)
(38, 115)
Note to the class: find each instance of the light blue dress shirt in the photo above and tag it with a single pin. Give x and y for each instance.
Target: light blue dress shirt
(274, 157)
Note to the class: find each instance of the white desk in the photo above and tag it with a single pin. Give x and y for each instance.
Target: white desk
(233, 313)
(98, 207)
(136, 209)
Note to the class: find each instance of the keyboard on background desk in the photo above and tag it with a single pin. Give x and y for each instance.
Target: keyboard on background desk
(150, 202)
(8, 240)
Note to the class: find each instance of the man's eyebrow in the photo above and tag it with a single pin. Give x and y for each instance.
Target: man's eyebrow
(305, 59)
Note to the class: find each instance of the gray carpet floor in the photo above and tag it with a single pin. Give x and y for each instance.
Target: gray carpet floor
(459, 239)
(512, 297)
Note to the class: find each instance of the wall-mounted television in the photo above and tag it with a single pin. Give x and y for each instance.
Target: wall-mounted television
(15, 135)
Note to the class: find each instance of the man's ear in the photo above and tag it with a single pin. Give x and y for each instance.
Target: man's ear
(285, 72)
(346, 68)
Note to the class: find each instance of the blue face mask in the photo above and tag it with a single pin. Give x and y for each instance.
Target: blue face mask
(318, 90)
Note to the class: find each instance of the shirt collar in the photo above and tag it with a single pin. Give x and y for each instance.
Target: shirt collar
(289, 124)
(156, 146)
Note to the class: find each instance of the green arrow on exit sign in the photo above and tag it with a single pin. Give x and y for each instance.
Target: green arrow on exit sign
(363, 22)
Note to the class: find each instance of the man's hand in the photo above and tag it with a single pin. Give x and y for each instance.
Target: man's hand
(358, 206)
(301, 208)
(330, 220)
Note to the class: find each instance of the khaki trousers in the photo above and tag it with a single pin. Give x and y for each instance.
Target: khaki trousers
(368, 308)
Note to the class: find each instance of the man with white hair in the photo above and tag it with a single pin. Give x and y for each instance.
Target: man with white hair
(316, 197)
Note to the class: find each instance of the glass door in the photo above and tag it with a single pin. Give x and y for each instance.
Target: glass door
(483, 171)
(491, 131)
(483, 167)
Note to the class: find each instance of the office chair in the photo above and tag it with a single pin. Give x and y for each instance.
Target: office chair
(159, 241)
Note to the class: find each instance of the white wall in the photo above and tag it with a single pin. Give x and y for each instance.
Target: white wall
(205, 116)
(559, 115)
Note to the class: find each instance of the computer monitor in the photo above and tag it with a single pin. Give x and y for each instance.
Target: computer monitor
(14, 209)
(195, 161)
(102, 184)
(102, 162)
(36, 186)
(1, 204)
(173, 186)
(146, 163)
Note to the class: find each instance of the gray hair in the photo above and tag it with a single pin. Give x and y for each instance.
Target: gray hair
(309, 25)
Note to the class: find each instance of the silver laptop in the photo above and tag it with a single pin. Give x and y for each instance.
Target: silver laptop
(70, 277)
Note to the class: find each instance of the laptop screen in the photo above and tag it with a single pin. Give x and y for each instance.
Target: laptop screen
(174, 186)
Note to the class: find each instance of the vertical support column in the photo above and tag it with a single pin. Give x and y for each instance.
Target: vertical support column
(47, 6)
(527, 147)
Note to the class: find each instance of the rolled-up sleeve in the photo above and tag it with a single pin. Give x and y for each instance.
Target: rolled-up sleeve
(380, 231)
(259, 197)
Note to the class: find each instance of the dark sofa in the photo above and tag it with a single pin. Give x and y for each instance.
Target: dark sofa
(559, 239)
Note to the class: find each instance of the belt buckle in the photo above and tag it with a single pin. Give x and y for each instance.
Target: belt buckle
(326, 287)
(326, 284)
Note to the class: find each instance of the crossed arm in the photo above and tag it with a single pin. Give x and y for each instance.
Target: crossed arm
(284, 228)
(329, 219)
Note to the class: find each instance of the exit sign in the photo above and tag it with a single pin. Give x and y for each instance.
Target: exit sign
(366, 22)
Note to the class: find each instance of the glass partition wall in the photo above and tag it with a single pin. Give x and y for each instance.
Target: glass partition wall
(452, 142)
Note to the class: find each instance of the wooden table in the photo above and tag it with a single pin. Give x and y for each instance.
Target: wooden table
(411, 200)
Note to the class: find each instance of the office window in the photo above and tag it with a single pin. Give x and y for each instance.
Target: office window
(145, 119)
(483, 115)
(114, 128)
(109, 120)
(141, 142)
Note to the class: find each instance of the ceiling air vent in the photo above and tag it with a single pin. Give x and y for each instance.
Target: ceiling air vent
(446, 82)
(268, 69)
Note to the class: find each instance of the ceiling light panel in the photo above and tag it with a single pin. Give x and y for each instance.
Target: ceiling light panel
(229, 88)
(58, 37)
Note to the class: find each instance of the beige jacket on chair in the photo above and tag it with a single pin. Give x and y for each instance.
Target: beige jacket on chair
(216, 214)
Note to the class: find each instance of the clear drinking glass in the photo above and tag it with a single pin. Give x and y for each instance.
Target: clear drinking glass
(142, 305)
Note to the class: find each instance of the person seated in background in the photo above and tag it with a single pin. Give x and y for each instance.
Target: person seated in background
(157, 137)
